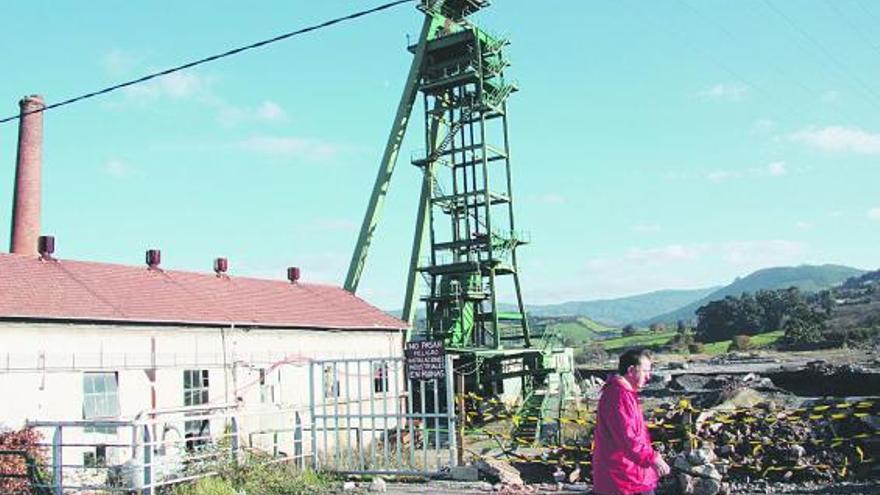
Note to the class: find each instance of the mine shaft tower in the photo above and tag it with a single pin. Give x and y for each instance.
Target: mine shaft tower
(467, 190)
(465, 220)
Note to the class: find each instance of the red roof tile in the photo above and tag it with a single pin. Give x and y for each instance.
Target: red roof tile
(79, 290)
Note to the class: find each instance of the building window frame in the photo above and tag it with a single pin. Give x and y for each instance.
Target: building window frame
(380, 377)
(330, 381)
(196, 392)
(100, 399)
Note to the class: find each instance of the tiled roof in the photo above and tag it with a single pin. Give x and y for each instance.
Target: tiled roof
(78, 290)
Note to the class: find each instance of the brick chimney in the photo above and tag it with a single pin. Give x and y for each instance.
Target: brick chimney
(26, 205)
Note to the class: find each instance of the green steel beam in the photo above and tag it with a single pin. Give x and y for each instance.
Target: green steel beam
(389, 158)
(423, 221)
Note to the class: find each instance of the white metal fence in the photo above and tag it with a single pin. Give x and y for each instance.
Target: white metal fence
(370, 419)
(164, 447)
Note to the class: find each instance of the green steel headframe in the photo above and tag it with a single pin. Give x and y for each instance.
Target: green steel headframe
(465, 214)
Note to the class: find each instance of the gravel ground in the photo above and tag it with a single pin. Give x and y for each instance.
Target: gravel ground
(453, 488)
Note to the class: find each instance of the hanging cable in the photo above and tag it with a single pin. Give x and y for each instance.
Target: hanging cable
(211, 58)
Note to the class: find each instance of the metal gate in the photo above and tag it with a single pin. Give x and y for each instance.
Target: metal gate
(368, 418)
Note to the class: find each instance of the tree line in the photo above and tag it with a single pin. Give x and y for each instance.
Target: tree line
(801, 316)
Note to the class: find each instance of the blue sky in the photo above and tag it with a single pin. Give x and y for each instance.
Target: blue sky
(667, 144)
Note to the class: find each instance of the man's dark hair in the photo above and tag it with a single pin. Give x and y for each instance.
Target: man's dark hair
(632, 357)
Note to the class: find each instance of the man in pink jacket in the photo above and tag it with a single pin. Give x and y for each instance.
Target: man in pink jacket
(624, 463)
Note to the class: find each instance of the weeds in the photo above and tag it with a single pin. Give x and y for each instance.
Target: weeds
(255, 477)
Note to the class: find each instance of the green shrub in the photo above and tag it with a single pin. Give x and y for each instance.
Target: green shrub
(593, 352)
(259, 478)
(256, 477)
(206, 486)
(740, 343)
(696, 348)
(27, 441)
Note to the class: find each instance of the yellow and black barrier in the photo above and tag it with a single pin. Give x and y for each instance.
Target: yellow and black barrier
(838, 411)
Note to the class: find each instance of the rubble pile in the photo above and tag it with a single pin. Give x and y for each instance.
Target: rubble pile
(824, 442)
(699, 472)
(711, 390)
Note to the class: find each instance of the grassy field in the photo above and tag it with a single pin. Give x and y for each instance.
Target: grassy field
(582, 330)
(758, 341)
(643, 338)
(648, 339)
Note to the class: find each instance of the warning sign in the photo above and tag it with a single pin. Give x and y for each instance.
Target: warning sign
(426, 360)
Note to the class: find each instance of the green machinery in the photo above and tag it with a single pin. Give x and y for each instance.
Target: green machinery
(465, 220)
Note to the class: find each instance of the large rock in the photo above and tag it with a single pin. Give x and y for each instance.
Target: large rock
(706, 486)
(699, 457)
(706, 471)
(378, 485)
(499, 471)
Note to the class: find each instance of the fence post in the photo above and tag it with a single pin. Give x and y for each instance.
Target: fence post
(234, 447)
(57, 462)
(312, 414)
(148, 488)
(451, 425)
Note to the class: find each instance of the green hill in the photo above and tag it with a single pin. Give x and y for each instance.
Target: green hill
(622, 310)
(574, 329)
(808, 278)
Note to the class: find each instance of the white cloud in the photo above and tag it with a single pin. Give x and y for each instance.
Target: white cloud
(118, 168)
(830, 96)
(232, 115)
(308, 148)
(646, 228)
(874, 213)
(334, 225)
(773, 169)
(176, 85)
(724, 91)
(676, 175)
(722, 175)
(323, 268)
(763, 126)
(839, 139)
(739, 253)
(761, 253)
(117, 62)
(270, 111)
(548, 199)
(640, 270)
(776, 169)
(199, 89)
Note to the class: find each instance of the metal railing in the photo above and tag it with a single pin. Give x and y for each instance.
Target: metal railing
(384, 424)
(164, 447)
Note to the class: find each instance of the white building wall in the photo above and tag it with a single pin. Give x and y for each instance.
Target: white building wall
(42, 364)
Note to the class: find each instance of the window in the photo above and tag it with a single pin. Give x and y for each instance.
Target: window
(270, 393)
(331, 382)
(96, 458)
(380, 377)
(298, 456)
(195, 393)
(100, 399)
(195, 387)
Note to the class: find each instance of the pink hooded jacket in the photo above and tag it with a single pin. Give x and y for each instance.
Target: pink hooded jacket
(623, 459)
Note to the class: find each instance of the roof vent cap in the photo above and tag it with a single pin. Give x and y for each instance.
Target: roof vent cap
(293, 274)
(46, 246)
(220, 266)
(154, 257)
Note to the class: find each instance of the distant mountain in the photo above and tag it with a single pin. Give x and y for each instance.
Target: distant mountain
(808, 278)
(611, 312)
(617, 312)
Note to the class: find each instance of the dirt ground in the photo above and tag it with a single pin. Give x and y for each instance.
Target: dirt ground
(454, 488)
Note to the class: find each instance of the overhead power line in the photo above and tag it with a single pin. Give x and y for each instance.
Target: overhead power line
(212, 58)
(841, 67)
